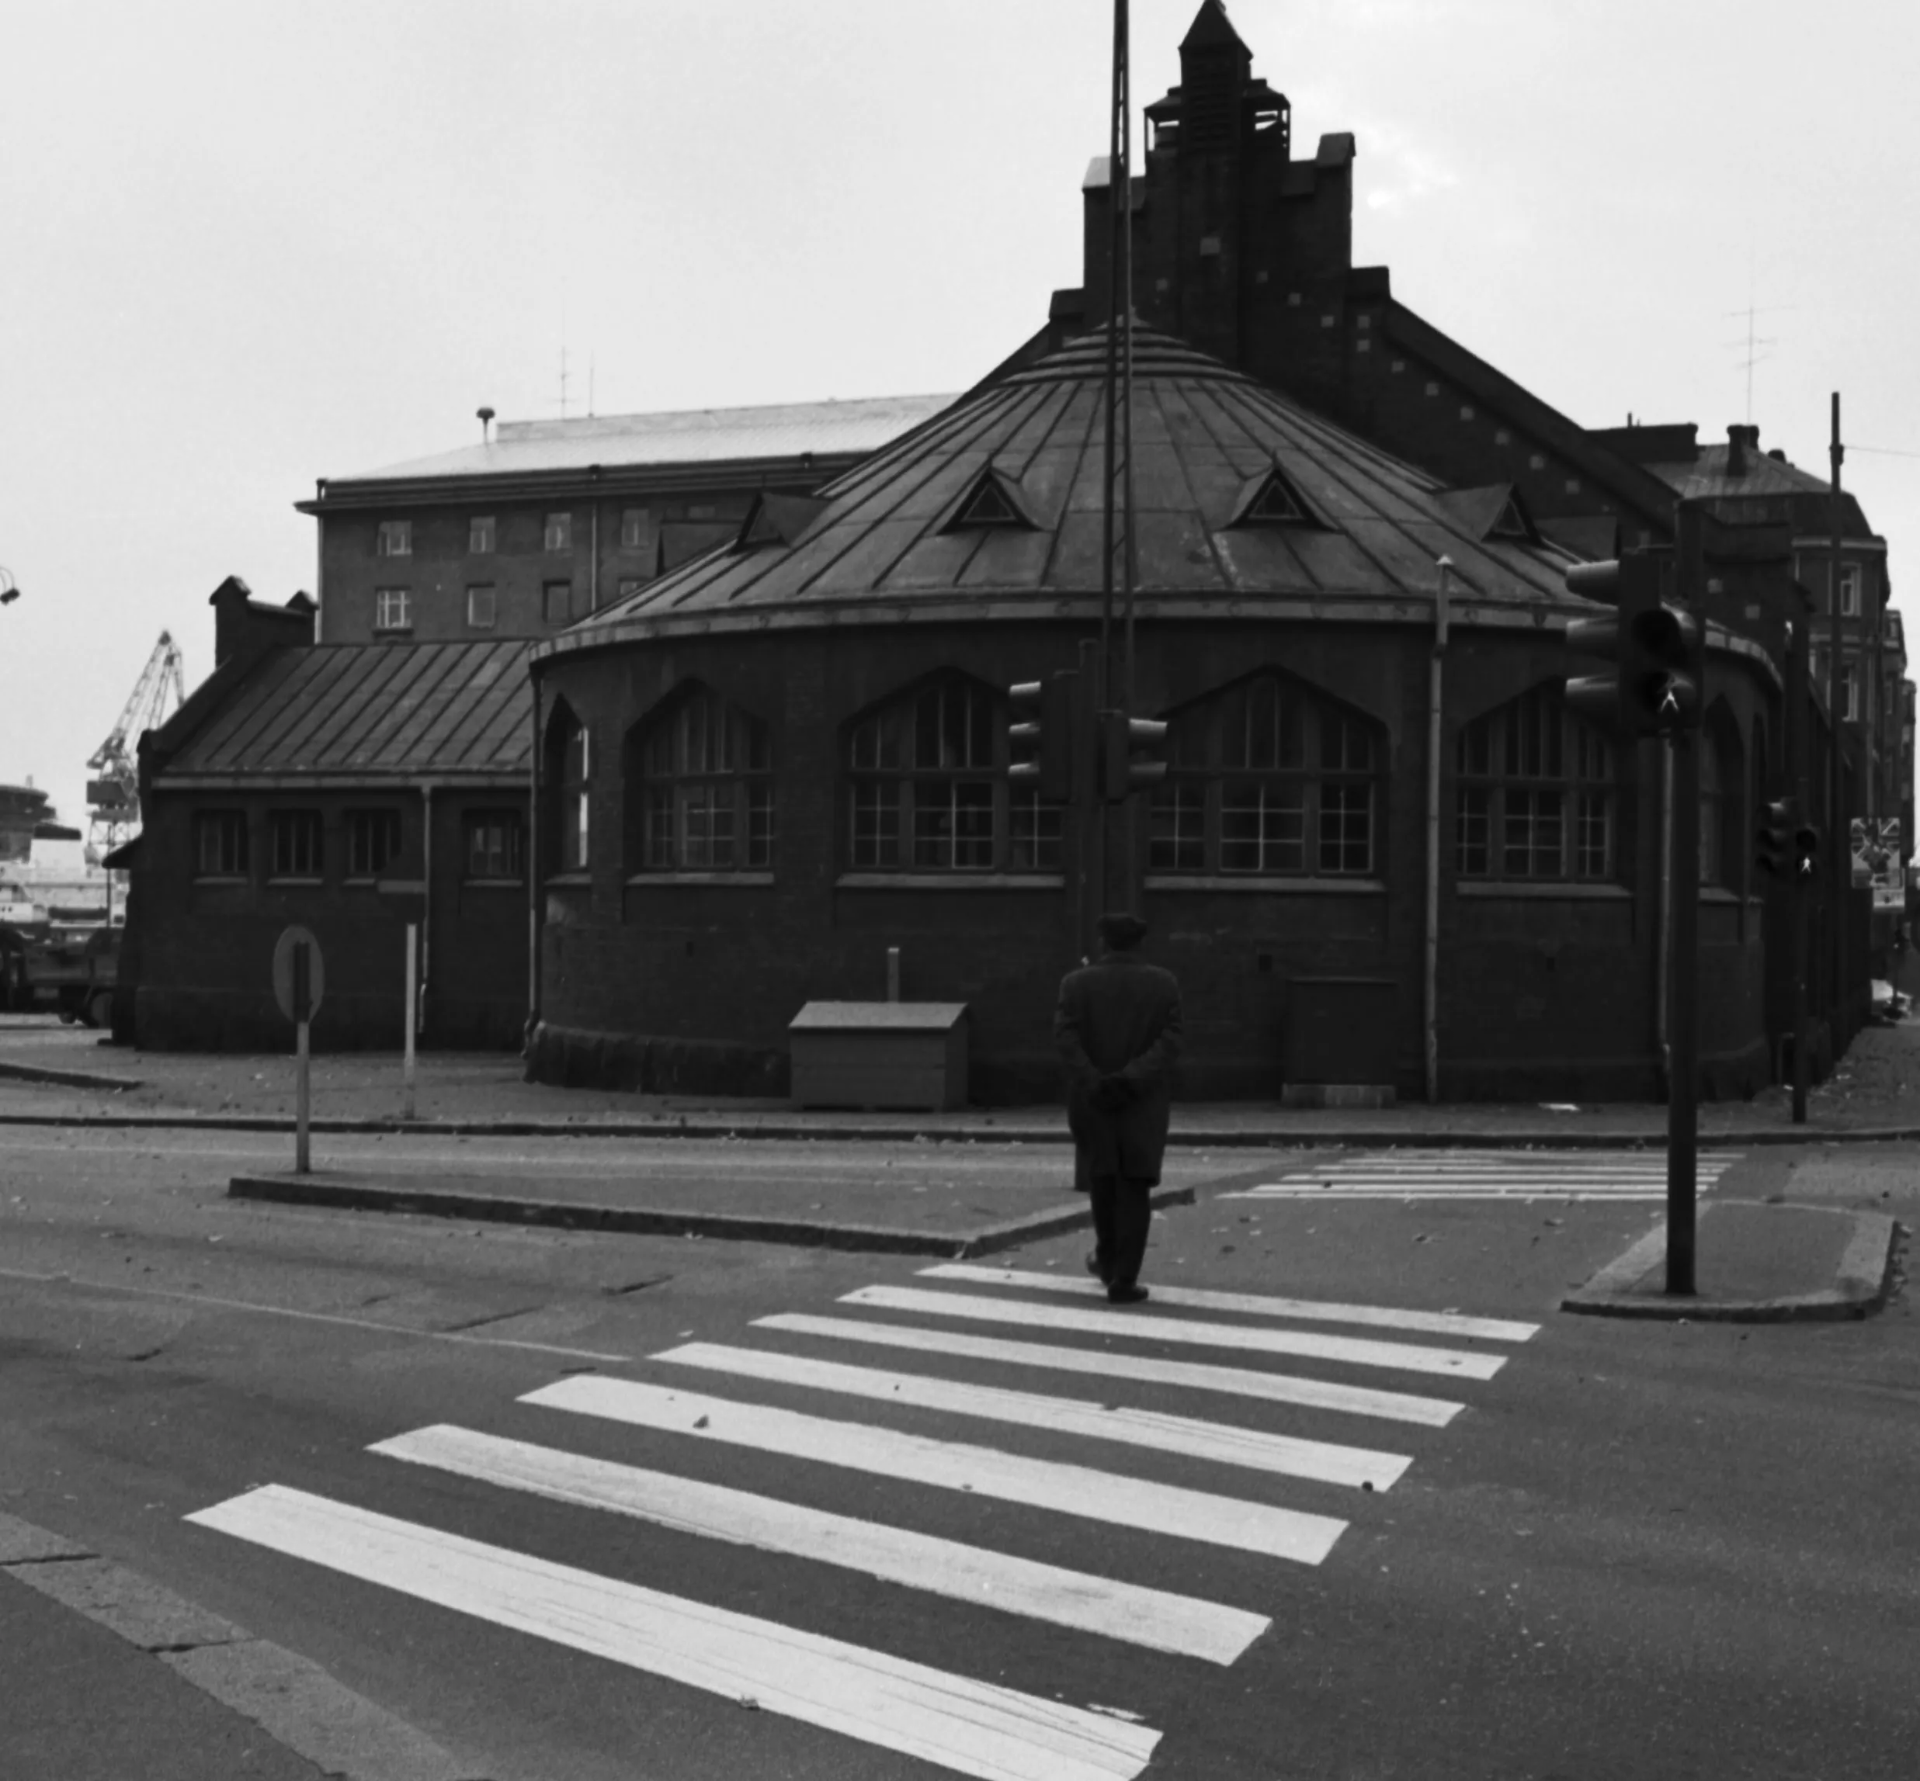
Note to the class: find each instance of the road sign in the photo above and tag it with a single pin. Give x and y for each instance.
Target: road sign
(404, 897)
(283, 971)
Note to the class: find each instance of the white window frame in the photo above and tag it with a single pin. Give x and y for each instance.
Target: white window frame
(556, 534)
(393, 609)
(483, 535)
(482, 596)
(394, 539)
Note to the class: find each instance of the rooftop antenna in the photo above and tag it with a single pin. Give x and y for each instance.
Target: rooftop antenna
(563, 380)
(589, 385)
(1753, 342)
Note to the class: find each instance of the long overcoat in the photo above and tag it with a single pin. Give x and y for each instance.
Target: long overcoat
(1119, 1016)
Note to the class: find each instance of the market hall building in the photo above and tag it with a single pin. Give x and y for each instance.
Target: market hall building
(763, 771)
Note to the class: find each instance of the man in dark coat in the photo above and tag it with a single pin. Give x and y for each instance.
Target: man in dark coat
(1117, 1027)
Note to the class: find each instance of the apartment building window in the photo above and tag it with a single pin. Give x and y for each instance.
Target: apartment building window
(373, 841)
(495, 846)
(1850, 580)
(567, 817)
(1850, 694)
(395, 538)
(557, 534)
(633, 527)
(220, 844)
(482, 535)
(555, 598)
(296, 843)
(392, 609)
(1535, 793)
(702, 771)
(629, 586)
(483, 610)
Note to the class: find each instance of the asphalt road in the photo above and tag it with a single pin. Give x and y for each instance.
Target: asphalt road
(1646, 1550)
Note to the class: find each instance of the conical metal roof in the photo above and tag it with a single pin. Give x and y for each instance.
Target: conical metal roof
(1245, 503)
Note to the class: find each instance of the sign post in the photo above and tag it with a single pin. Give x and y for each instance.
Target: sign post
(299, 981)
(407, 898)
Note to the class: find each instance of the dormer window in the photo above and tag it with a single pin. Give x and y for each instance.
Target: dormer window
(993, 502)
(778, 519)
(1510, 522)
(1271, 500)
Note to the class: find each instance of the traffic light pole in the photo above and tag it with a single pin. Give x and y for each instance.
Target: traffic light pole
(1799, 908)
(1683, 1008)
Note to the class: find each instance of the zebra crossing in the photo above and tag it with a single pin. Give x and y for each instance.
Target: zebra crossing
(1486, 1175)
(889, 1343)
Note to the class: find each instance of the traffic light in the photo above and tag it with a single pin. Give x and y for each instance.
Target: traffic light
(1806, 852)
(1655, 644)
(1774, 843)
(1040, 739)
(1126, 761)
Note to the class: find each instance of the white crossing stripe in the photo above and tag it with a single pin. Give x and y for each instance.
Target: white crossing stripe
(952, 1465)
(1134, 1325)
(1488, 1175)
(1154, 1618)
(974, 1728)
(1439, 1323)
(1222, 1443)
(1279, 1388)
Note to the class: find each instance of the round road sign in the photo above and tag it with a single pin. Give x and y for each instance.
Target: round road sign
(283, 971)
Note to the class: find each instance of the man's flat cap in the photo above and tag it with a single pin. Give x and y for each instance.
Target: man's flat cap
(1121, 929)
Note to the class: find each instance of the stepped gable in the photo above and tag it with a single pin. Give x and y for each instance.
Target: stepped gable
(1243, 499)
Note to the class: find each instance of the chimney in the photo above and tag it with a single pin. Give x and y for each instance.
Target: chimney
(1740, 441)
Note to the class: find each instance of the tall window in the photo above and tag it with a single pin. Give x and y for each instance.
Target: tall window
(483, 608)
(392, 609)
(394, 539)
(569, 767)
(703, 770)
(373, 841)
(1535, 797)
(296, 843)
(1720, 781)
(1850, 693)
(555, 597)
(482, 535)
(1268, 779)
(496, 845)
(557, 534)
(633, 527)
(926, 794)
(1850, 580)
(220, 844)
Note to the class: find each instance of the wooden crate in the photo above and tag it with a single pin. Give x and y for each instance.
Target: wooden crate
(879, 1054)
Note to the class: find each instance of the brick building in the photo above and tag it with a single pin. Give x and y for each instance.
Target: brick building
(544, 522)
(763, 771)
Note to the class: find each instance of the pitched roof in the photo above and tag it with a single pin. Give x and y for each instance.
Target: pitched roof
(690, 436)
(380, 709)
(1373, 525)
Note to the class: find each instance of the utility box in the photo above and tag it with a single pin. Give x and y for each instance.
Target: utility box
(879, 1054)
(1338, 1049)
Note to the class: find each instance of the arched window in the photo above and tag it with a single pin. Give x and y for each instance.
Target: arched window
(568, 769)
(1536, 793)
(927, 788)
(1721, 778)
(1267, 778)
(699, 776)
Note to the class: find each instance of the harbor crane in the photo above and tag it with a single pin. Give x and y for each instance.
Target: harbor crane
(113, 794)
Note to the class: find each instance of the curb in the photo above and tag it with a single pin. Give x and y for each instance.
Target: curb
(1863, 1282)
(68, 1078)
(360, 1195)
(291, 1699)
(1266, 1138)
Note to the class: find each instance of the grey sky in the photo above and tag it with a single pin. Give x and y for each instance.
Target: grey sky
(246, 245)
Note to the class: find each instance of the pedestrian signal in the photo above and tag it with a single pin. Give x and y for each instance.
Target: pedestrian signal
(1654, 643)
(1773, 844)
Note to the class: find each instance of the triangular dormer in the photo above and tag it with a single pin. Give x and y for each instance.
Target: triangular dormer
(992, 500)
(778, 519)
(1271, 499)
(1495, 511)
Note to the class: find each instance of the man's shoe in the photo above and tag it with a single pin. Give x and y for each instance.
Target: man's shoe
(1127, 1294)
(1094, 1268)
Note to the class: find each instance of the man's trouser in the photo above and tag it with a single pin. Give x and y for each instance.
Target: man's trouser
(1121, 1217)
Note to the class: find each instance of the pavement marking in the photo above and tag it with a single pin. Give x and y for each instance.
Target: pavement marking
(1313, 1394)
(1140, 1326)
(352, 1323)
(953, 1465)
(1487, 1175)
(1154, 1618)
(1442, 1323)
(954, 1722)
(1218, 1442)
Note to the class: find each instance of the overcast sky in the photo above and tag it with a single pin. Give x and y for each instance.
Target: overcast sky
(245, 244)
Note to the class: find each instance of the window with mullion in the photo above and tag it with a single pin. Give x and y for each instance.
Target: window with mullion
(1534, 794)
(1266, 779)
(926, 792)
(706, 784)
